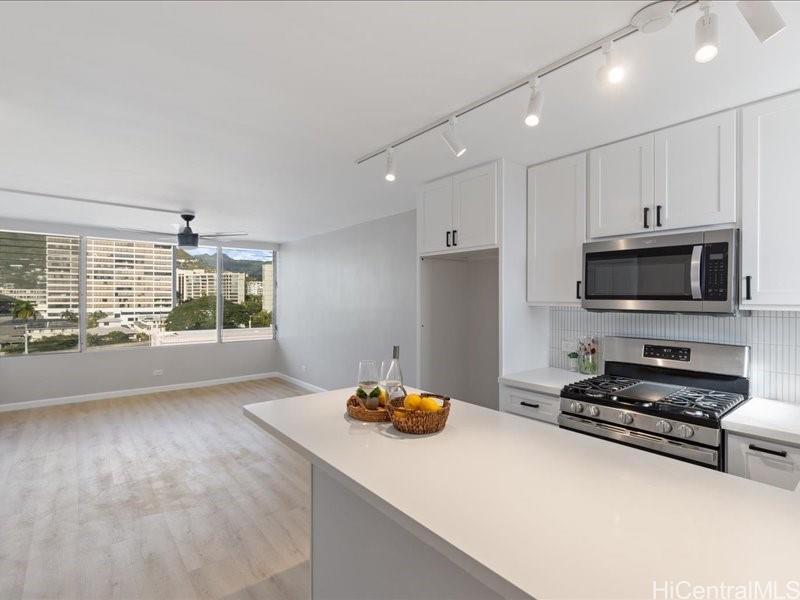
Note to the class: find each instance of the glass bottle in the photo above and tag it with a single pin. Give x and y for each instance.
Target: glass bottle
(393, 376)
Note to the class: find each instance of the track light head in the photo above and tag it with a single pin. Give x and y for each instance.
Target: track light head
(706, 34)
(611, 70)
(391, 174)
(451, 138)
(763, 18)
(534, 113)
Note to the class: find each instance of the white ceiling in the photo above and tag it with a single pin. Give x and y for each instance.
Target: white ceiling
(252, 114)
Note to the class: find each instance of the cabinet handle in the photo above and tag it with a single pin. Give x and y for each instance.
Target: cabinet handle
(646, 213)
(448, 239)
(658, 215)
(747, 295)
(531, 405)
(781, 453)
(455, 239)
(578, 290)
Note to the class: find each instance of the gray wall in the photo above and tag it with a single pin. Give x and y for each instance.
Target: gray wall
(348, 295)
(45, 376)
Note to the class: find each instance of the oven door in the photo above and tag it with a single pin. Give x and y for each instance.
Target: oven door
(663, 273)
(700, 455)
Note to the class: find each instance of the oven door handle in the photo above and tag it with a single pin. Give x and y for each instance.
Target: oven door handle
(694, 273)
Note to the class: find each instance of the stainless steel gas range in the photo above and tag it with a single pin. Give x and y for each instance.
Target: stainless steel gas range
(661, 396)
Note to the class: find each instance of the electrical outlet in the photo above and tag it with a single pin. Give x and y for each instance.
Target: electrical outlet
(567, 345)
(158, 372)
(302, 368)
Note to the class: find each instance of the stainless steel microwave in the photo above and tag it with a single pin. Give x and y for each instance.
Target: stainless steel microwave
(685, 272)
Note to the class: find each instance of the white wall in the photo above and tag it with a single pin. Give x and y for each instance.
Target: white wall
(348, 295)
(47, 376)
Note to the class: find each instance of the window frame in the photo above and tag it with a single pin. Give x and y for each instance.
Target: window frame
(82, 238)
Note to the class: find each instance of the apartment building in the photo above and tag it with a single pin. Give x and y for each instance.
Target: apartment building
(268, 285)
(62, 259)
(193, 283)
(36, 296)
(129, 280)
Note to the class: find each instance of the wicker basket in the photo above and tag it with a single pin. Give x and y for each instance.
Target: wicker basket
(419, 422)
(357, 411)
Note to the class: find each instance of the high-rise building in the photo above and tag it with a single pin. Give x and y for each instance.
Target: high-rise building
(267, 281)
(255, 288)
(193, 283)
(62, 260)
(128, 280)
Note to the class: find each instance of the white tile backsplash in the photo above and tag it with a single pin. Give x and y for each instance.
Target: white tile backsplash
(773, 336)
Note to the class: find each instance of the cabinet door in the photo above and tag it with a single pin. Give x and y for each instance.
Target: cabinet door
(768, 462)
(556, 230)
(435, 214)
(695, 173)
(621, 187)
(770, 206)
(475, 207)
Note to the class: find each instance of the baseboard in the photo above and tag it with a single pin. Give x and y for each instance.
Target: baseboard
(299, 382)
(149, 390)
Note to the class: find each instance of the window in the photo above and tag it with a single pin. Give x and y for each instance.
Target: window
(39, 293)
(136, 294)
(128, 291)
(193, 319)
(247, 294)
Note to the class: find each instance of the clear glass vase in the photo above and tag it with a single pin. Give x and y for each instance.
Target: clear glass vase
(588, 356)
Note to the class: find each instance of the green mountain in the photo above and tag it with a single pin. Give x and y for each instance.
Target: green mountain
(208, 262)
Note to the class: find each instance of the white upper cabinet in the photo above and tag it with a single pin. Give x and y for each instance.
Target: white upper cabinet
(435, 215)
(770, 205)
(621, 187)
(475, 207)
(556, 230)
(459, 212)
(695, 173)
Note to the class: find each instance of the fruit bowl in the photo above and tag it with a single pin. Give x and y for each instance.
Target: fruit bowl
(419, 422)
(361, 413)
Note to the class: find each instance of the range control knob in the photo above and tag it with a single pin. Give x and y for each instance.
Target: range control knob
(663, 426)
(576, 407)
(594, 411)
(625, 418)
(685, 431)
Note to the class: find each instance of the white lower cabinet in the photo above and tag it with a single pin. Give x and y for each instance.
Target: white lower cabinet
(769, 462)
(530, 404)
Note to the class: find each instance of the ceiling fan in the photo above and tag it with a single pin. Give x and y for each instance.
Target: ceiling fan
(187, 238)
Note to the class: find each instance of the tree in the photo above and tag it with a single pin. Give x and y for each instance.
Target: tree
(253, 304)
(92, 319)
(24, 309)
(68, 315)
(262, 318)
(201, 313)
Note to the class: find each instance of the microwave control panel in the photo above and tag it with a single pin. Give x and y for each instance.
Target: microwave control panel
(715, 272)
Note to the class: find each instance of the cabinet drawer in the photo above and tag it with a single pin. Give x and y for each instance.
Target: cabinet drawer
(530, 404)
(765, 461)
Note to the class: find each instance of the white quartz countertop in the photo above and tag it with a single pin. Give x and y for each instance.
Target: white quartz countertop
(552, 512)
(547, 380)
(779, 421)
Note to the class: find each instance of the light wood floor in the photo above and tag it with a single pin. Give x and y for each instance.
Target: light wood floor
(168, 495)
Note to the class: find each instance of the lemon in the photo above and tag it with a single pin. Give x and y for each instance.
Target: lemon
(429, 404)
(412, 402)
(382, 397)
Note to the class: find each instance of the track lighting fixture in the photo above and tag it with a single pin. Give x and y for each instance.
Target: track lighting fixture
(534, 114)
(763, 18)
(391, 175)
(706, 34)
(611, 70)
(451, 137)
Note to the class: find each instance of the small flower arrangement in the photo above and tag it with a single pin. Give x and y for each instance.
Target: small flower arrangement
(587, 355)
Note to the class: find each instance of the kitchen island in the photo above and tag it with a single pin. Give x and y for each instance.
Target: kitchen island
(502, 506)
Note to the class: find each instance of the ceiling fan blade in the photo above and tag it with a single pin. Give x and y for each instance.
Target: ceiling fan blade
(167, 234)
(223, 234)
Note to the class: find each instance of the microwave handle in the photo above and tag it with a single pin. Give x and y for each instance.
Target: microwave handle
(694, 273)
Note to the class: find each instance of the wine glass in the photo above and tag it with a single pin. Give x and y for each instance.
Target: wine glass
(368, 381)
